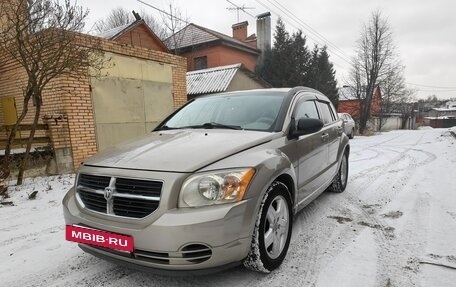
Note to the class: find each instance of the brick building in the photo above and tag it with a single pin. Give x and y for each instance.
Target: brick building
(143, 82)
(205, 48)
(350, 104)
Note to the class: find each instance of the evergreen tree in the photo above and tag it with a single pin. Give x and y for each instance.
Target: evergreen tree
(281, 62)
(312, 70)
(290, 63)
(327, 83)
(300, 60)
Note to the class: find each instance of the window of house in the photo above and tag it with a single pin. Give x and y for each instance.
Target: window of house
(200, 62)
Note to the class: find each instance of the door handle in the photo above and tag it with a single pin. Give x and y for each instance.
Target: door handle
(324, 137)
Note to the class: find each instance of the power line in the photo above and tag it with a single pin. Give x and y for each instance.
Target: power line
(162, 11)
(310, 29)
(430, 86)
(313, 36)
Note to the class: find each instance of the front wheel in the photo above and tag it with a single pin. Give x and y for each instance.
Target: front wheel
(272, 233)
(340, 180)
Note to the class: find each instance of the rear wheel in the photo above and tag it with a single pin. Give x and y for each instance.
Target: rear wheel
(272, 233)
(340, 180)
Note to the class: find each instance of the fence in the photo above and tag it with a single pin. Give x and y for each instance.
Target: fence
(41, 137)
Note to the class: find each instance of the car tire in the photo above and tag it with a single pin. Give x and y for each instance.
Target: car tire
(340, 180)
(352, 134)
(272, 232)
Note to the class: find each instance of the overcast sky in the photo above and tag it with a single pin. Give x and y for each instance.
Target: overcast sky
(424, 31)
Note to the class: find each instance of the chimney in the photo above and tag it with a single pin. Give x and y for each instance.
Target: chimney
(240, 31)
(264, 31)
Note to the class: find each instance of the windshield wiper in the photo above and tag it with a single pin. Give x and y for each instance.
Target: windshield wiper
(211, 125)
(165, 127)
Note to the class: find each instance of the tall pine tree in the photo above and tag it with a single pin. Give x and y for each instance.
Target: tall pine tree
(324, 80)
(281, 62)
(290, 63)
(300, 60)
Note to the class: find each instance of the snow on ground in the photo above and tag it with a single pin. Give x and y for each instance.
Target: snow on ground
(395, 225)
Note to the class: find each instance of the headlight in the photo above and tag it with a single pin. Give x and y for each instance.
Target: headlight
(215, 187)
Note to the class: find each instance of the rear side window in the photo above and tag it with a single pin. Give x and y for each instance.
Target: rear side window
(327, 115)
(306, 109)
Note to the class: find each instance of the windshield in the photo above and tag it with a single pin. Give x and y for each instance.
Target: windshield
(248, 112)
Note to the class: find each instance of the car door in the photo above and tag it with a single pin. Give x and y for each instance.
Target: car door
(333, 129)
(312, 151)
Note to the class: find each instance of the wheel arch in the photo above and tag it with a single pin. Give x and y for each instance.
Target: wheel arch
(290, 184)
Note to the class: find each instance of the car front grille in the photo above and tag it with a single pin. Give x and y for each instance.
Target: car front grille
(119, 196)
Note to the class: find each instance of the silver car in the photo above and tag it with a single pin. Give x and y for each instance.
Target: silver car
(215, 185)
(349, 125)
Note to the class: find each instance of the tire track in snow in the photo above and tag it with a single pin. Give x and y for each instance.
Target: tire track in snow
(33, 235)
(406, 164)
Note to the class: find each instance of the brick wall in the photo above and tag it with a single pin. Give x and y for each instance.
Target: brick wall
(67, 101)
(140, 36)
(221, 56)
(353, 107)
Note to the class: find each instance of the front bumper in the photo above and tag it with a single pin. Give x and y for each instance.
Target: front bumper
(162, 240)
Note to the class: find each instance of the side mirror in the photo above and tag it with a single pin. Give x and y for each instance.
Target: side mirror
(307, 126)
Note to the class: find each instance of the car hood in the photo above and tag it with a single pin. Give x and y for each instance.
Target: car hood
(178, 150)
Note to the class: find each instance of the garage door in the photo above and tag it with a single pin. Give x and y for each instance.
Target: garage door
(131, 100)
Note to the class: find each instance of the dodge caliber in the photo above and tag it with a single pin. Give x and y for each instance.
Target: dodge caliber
(216, 184)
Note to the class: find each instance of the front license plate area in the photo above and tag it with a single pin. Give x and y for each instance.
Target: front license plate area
(91, 236)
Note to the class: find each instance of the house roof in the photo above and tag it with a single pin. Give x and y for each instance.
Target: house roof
(192, 35)
(115, 33)
(215, 80)
(348, 93)
(211, 80)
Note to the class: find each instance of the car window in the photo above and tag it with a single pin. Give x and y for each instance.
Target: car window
(326, 114)
(306, 109)
(250, 112)
(332, 109)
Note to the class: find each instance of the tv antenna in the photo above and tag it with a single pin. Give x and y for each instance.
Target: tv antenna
(238, 8)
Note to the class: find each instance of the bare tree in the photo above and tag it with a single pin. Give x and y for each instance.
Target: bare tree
(393, 90)
(375, 56)
(42, 37)
(120, 16)
(174, 21)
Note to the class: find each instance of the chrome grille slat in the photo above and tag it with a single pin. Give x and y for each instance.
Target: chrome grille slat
(130, 196)
(126, 197)
(167, 258)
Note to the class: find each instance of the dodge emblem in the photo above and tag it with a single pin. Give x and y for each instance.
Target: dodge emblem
(108, 193)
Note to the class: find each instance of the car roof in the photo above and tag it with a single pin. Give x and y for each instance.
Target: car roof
(290, 92)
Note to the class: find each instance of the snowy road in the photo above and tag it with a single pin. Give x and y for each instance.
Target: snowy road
(395, 225)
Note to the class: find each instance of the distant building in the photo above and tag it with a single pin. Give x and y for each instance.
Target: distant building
(222, 79)
(349, 103)
(137, 34)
